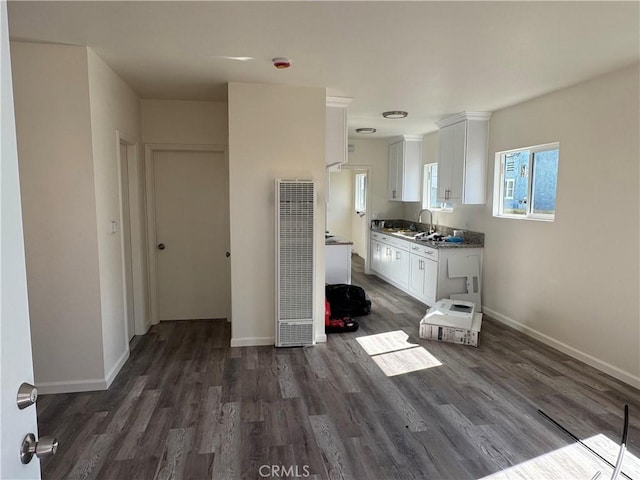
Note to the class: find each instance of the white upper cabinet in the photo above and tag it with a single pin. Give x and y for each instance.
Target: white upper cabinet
(336, 135)
(462, 160)
(405, 163)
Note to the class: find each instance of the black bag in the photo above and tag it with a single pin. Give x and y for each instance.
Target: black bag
(347, 300)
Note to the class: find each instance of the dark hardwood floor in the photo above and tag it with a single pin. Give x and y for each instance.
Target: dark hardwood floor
(186, 406)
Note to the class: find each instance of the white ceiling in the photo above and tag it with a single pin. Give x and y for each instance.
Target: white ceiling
(429, 58)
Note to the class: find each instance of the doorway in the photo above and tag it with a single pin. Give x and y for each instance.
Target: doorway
(188, 201)
(348, 209)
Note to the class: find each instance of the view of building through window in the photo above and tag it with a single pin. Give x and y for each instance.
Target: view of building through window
(528, 180)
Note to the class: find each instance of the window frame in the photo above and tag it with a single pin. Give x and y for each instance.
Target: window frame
(529, 168)
(426, 190)
(360, 194)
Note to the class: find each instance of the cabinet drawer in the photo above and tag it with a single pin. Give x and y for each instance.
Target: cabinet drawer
(425, 251)
(380, 237)
(398, 243)
(391, 240)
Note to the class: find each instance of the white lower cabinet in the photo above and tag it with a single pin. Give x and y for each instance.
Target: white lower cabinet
(423, 278)
(390, 259)
(399, 267)
(428, 274)
(380, 261)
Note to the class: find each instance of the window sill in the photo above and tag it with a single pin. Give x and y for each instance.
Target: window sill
(527, 217)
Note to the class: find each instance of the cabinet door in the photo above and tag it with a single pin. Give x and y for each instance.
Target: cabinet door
(451, 160)
(399, 271)
(395, 171)
(445, 162)
(416, 275)
(458, 158)
(385, 262)
(376, 255)
(430, 281)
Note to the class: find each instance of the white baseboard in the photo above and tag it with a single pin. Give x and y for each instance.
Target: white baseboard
(111, 375)
(72, 386)
(594, 362)
(252, 341)
(261, 341)
(89, 385)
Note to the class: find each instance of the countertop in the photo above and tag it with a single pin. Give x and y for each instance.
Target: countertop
(429, 243)
(336, 240)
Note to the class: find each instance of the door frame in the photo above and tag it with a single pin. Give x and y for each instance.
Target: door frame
(367, 214)
(133, 188)
(152, 254)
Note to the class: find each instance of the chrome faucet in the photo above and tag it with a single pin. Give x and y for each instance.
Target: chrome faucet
(430, 218)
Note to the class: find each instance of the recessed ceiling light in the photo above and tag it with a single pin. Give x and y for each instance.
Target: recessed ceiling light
(394, 114)
(366, 130)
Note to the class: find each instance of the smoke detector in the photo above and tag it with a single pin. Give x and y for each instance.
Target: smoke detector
(281, 63)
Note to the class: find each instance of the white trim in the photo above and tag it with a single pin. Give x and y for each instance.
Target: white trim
(339, 102)
(111, 374)
(89, 385)
(401, 138)
(321, 338)
(594, 362)
(131, 147)
(152, 267)
(253, 341)
(72, 386)
(462, 116)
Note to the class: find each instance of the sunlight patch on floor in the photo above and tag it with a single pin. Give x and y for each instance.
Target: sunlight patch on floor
(394, 355)
(572, 462)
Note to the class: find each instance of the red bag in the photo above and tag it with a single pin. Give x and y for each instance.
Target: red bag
(337, 325)
(327, 312)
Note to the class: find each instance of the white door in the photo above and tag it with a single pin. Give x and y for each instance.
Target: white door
(15, 340)
(192, 234)
(126, 241)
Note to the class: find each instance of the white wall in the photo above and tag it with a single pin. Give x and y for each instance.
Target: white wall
(412, 209)
(340, 203)
(114, 108)
(572, 283)
(185, 122)
(51, 90)
(274, 132)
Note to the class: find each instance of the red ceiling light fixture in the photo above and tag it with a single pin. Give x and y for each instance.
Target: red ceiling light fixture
(281, 63)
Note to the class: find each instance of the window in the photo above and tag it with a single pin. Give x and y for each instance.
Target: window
(361, 193)
(528, 179)
(509, 184)
(430, 189)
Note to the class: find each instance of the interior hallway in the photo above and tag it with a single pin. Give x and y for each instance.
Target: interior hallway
(187, 406)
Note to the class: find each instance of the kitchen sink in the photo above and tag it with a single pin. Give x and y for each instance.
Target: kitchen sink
(406, 233)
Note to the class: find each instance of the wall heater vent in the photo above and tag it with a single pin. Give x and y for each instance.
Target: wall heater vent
(295, 206)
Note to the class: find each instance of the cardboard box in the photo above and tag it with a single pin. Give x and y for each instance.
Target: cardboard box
(452, 334)
(451, 313)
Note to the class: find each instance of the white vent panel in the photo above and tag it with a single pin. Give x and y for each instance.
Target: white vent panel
(294, 334)
(294, 251)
